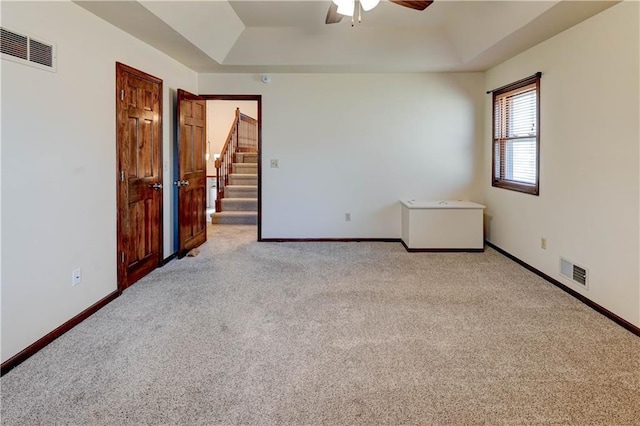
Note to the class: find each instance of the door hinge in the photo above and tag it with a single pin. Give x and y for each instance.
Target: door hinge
(121, 176)
(122, 95)
(121, 257)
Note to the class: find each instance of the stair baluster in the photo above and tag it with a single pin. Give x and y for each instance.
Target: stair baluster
(224, 164)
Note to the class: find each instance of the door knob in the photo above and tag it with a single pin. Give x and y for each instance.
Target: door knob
(156, 186)
(180, 183)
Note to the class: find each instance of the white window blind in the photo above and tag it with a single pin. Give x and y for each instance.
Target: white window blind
(515, 136)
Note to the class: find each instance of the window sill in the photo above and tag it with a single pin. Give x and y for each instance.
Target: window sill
(518, 187)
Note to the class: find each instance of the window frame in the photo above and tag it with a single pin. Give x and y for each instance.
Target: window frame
(500, 182)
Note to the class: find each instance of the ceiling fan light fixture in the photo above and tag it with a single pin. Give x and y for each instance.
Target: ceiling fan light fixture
(367, 5)
(345, 7)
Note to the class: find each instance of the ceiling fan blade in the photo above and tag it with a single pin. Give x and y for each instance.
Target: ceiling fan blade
(333, 17)
(417, 4)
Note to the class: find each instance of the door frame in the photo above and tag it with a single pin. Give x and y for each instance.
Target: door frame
(121, 267)
(258, 99)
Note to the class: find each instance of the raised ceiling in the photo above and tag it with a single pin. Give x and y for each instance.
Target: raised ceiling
(290, 36)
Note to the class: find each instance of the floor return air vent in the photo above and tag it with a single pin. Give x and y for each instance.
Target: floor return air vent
(574, 272)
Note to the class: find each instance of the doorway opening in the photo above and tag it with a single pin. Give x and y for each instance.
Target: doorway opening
(241, 188)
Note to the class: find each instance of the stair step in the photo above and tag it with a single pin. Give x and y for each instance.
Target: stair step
(245, 168)
(247, 157)
(239, 204)
(241, 191)
(243, 179)
(235, 218)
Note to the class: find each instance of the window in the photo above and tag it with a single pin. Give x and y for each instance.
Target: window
(516, 130)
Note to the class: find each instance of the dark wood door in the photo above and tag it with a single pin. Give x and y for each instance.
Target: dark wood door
(192, 195)
(139, 150)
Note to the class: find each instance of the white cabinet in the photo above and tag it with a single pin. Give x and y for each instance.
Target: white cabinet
(442, 225)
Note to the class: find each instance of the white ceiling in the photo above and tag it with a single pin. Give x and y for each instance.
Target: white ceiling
(290, 36)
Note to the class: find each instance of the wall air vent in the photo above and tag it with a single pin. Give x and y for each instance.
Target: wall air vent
(27, 50)
(575, 273)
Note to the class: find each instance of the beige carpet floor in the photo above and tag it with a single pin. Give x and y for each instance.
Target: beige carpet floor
(333, 333)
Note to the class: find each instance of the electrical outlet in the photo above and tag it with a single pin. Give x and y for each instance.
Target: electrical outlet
(76, 277)
(274, 164)
(543, 243)
(347, 217)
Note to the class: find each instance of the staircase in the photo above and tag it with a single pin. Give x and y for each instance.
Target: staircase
(237, 174)
(240, 203)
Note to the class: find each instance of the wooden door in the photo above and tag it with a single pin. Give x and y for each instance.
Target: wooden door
(139, 165)
(192, 195)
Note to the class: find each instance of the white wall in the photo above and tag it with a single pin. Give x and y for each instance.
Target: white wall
(220, 115)
(358, 143)
(58, 166)
(588, 208)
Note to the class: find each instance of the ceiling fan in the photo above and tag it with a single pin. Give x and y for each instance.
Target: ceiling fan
(340, 8)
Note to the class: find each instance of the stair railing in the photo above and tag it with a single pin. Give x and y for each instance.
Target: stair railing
(243, 137)
(247, 134)
(224, 164)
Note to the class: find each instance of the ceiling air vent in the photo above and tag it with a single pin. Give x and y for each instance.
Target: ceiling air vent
(27, 50)
(575, 273)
